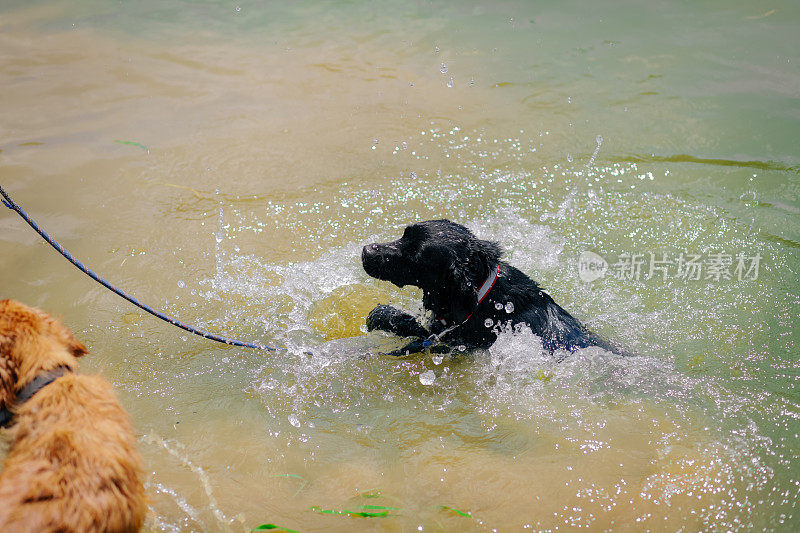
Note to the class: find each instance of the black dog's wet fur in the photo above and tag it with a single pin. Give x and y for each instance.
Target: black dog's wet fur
(450, 264)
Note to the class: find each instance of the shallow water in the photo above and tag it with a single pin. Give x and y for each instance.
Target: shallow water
(226, 162)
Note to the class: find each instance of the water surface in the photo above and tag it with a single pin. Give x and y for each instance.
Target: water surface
(226, 162)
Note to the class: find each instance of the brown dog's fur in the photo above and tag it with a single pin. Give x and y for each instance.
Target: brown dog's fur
(73, 463)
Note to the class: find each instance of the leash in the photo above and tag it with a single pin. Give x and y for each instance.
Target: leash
(8, 202)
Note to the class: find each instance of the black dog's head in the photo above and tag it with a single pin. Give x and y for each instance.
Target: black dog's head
(442, 258)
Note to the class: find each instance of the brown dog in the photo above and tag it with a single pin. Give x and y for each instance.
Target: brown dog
(73, 463)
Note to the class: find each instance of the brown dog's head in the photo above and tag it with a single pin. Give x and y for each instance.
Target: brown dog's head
(31, 342)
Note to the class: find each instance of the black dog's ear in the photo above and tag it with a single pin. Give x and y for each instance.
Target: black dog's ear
(490, 253)
(467, 272)
(460, 291)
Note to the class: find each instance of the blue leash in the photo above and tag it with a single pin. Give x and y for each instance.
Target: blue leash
(8, 202)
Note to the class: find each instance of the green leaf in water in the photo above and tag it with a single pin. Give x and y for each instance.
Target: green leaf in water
(264, 527)
(348, 512)
(296, 476)
(133, 143)
(454, 510)
(368, 514)
(384, 507)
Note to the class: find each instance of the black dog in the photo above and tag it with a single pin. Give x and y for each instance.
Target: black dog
(468, 290)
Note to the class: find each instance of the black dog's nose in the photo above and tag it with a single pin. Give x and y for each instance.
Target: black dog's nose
(369, 250)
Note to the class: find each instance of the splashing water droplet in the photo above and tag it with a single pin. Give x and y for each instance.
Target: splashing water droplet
(450, 82)
(498, 306)
(437, 359)
(488, 323)
(569, 158)
(293, 420)
(413, 175)
(427, 377)
(443, 69)
(181, 284)
(510, 307)
(461, 348)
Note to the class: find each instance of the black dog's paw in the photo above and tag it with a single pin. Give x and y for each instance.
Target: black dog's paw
(383, 317)
(415, 346)
(419, 346)
(393, 320)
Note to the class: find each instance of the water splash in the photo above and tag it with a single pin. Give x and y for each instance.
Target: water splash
(599, 141)
(183, 457)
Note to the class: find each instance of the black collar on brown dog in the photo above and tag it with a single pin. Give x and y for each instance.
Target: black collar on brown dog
(27, 392)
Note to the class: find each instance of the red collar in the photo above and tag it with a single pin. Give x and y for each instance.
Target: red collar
(487, 285)
(484, 289)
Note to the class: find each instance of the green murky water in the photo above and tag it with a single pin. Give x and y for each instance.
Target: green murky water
(226, 162)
